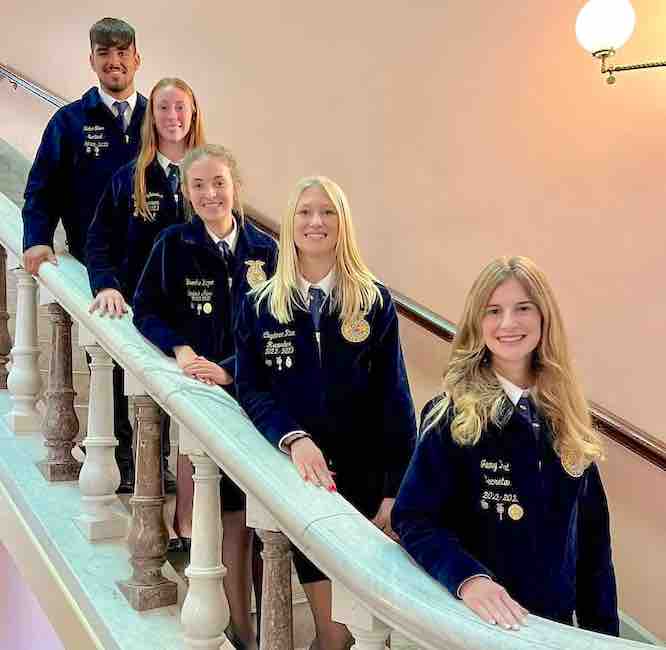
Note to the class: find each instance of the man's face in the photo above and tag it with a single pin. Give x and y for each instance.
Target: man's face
(115, 68)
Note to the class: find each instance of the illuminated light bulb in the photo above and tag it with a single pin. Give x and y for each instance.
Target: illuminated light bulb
(605, 24)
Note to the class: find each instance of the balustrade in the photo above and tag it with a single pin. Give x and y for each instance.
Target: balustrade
(369, 632)
(148, 536)
(277, 627)
(205, 614)
(101, 517)
(60, 422)
(24, 381)
(5, 339)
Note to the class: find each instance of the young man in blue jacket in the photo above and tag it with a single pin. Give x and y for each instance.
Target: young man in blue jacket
(83, 145)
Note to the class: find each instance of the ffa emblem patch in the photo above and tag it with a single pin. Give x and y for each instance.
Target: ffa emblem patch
(255, 273)
(355, 331)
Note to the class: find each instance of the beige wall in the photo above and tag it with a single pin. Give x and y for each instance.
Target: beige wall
(460, 131)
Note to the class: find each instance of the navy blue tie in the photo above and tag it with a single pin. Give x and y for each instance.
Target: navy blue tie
(317, 297)
(121, 107)
(528, 411)
(174, 178)
(227, 255)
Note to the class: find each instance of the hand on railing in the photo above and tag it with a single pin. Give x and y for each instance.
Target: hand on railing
(35, 255)
(109, 301)
(311, 464)
(200, 368)
(383, 518)
(493, 603)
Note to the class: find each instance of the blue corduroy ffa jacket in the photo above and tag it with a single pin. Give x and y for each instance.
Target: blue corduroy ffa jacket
(183, 295)
(119, 239)
(505, 507)
(353, 398)
(81, 149)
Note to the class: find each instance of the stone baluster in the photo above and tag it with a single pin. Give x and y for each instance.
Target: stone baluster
(24, 382)
(277, 627)
(5, 339)
(60, 422)
(368, 631)
(103, 516)
(205, 612)
(148, 537)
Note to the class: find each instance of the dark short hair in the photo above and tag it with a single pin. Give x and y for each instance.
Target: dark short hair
(112, 32)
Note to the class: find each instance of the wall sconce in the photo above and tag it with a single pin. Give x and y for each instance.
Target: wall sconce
(604, 26)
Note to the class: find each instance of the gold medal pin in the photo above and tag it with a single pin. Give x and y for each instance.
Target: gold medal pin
(255, 273)
(516, 512)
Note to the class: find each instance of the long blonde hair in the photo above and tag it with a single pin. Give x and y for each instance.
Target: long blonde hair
(227, 158)
(150, 138)
(473, 392)
(355, 291)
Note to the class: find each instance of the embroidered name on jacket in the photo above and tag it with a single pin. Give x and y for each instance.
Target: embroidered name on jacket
(200, 294)
(497, 489)
(279, 349)
(94, 139)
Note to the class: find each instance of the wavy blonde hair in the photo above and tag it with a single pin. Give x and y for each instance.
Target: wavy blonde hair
(150, 138)
(227, 158)
(471, 387)
(355, 291)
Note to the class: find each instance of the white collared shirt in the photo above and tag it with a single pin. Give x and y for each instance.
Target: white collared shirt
(109, 101)
(326, 284)
(513, 392)
(165, 162)
(231, 238)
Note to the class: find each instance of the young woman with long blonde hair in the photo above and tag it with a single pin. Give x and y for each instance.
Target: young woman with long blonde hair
(503, 502)
(320, 372)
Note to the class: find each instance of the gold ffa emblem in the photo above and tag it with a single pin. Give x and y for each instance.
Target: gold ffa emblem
(516, 512)
(570, 465)
(355, 331)
(255, 273)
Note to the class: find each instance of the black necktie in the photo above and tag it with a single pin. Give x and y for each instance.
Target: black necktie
(173, 178)
(317, 297)
(121, 107)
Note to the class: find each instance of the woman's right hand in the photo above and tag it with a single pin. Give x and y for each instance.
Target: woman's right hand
(109, 301)
(311, 464)
(185, 355)
(493, 603)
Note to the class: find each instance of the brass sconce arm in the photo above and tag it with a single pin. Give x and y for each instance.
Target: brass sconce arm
(610, 70)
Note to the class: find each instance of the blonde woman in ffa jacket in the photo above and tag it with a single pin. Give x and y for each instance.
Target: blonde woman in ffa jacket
(503, 502)
(186, 304)
(321, 374)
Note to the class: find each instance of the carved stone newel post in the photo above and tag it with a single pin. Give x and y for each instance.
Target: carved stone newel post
(24, 382)
(5, 340)
(148, 537)
(60, 423)
(277, 628)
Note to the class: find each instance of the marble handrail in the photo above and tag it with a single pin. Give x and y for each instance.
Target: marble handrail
(325, 526)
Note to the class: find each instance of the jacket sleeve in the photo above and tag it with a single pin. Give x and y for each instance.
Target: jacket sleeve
(42, 208)
(423, 512)
(103, 239)
(252, 385)
(391, 385)
(596, 591)
(152, 301)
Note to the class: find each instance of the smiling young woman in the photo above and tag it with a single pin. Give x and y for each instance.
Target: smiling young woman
(503, 502)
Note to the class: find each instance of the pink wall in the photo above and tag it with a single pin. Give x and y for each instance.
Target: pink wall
(23, 625)
(460, 131)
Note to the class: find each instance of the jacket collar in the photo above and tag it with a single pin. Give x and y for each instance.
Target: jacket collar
(91, 101)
